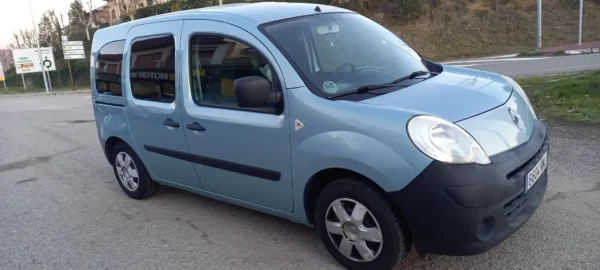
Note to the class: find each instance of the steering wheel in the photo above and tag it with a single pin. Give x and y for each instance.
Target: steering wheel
(341, 67)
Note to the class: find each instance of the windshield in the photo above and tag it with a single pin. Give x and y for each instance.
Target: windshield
(339, 52)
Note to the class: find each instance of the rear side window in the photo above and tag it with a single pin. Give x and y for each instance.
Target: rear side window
(152, 69)
(108, 68)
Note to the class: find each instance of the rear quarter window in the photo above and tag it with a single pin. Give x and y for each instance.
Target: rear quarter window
(108, 68)
(152, 69)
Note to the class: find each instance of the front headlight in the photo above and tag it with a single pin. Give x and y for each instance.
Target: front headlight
(521, 92)
(444, 141)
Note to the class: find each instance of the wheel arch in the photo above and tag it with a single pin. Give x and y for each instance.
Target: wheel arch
(109, 146)
(321, 179)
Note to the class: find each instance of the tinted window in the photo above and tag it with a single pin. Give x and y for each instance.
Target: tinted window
(216, 62)
(152, 69)
(108, 68)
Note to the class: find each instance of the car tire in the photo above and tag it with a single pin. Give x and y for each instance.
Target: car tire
(352, 235)
(131, 173)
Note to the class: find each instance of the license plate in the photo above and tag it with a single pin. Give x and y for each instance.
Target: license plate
(536, 172)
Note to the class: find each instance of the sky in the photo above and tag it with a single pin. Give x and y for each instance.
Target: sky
(14, 14)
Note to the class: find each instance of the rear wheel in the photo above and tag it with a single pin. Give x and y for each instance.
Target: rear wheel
(358, 227)
(131, 174)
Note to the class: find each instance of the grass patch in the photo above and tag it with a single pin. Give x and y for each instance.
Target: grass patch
(20, 90)
(533, 53)
(530, 53)
(569, 97)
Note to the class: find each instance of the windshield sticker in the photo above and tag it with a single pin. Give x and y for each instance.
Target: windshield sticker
(330, 87)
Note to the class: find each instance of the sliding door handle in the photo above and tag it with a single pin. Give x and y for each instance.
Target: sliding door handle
(170, 123)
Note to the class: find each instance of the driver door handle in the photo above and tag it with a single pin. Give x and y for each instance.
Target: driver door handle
(195, 127)
(170, 123)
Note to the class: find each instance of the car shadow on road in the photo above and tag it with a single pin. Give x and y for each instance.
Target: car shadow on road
(198, 212)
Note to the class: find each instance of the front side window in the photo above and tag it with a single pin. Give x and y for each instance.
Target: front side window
(216, 62)
(152, 69)
(108, 68)
(339, 52)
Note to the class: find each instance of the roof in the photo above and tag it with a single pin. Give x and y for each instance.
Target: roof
(257, 13)
(101, 7)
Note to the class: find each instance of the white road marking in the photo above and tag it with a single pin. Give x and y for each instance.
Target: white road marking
(494, 60)
(467, 65)
(565, 68)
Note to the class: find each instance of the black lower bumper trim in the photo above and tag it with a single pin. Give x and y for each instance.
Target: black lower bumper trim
(468, 209)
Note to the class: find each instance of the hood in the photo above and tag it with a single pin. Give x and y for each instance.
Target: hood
(455, 94)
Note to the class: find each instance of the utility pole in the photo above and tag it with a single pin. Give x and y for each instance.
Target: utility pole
(580, 19)
(539, 23)
(37, 38)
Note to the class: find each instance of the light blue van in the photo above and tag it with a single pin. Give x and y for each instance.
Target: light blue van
(319, 115)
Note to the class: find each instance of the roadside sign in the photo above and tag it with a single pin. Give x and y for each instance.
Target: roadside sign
(1, 72)
(73, 50)
(72, 43)
(69, 47)
(74, 56)
(27, 60)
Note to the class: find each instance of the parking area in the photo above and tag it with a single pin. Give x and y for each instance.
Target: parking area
(61, 208)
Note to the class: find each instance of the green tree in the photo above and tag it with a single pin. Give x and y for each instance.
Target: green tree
(79, 17)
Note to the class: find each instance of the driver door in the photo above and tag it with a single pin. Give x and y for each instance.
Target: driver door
(239, 153)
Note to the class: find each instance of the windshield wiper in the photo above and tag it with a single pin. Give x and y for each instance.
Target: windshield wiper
(362, 89)
(412, 76)
(366, 88)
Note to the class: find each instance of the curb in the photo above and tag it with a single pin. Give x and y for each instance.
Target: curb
(583, 51)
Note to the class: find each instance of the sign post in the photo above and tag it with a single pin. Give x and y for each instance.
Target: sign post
(39, 51)
(72, 50)
(24, 84)
(71, 75)
(580, 19)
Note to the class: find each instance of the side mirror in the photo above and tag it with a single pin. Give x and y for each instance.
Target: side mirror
(255, 92)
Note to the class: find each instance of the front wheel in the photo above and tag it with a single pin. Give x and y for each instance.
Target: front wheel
(358, 226)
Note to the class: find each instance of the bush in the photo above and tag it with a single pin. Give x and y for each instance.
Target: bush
(409, 10)
(173, 5)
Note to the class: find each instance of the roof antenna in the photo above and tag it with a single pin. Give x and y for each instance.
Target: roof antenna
(318, 9)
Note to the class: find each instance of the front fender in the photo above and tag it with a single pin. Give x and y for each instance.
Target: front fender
(388, 168)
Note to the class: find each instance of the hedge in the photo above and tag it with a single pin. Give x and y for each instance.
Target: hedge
(173, 5)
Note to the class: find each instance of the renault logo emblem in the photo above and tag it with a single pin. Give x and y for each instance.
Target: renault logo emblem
(516, 118)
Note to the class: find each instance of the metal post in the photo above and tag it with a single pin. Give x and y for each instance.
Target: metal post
(71, 75)
(49, 80)
(580, 19)
(24, 85)
(4, 84)
(37, 38)
(539, 23)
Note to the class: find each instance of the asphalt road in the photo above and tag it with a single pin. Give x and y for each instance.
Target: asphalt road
(534, 66)
(61, 208)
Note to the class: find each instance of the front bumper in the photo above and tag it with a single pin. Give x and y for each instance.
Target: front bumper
(468, 209)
